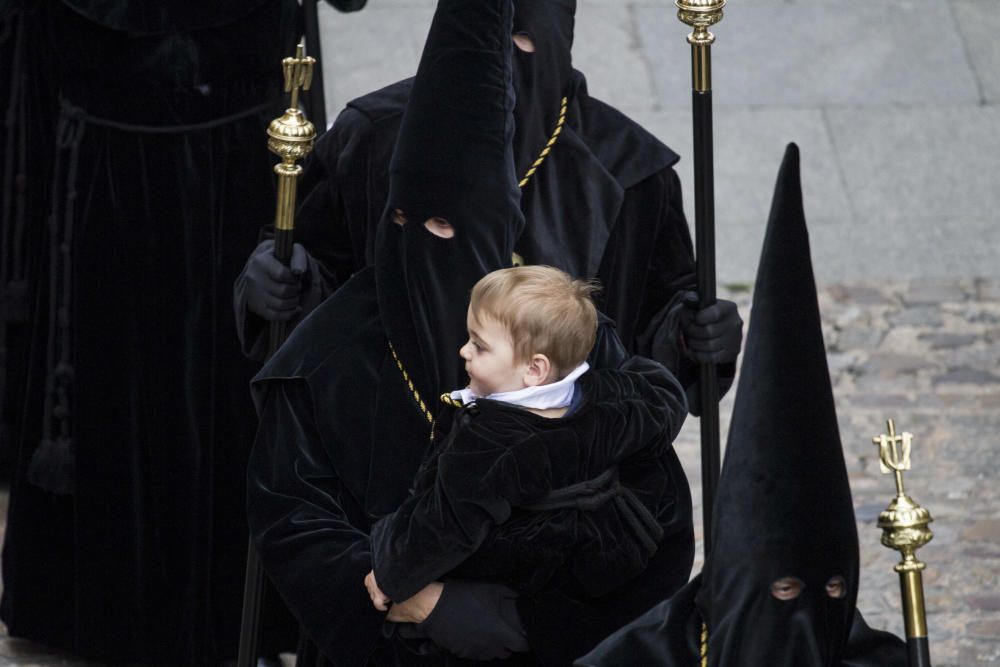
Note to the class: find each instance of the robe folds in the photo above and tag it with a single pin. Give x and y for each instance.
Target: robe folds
(605, 204)
(328, 463)
(27, 139)
(513, 497)
(160, 167)
(669, 635)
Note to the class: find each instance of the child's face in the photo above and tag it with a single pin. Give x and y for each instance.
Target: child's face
(489, 358)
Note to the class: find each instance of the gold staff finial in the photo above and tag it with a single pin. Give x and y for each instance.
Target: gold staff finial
(904, 526)
(700, 15)
(894, 453)
(291, 136)
(298, 73)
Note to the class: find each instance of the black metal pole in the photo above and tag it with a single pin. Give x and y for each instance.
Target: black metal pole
(253, 584)
(253, 594)
(919, 651)
(700, 15)
(708, 383)
(290, 137)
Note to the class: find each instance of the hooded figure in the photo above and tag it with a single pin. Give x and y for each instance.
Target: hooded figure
(781, 583)
(126, 539)
(599, 195)
(346, 412)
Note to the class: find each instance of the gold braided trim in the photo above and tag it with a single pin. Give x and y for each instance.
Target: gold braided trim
(704, 645)
(448, 400)
(413, 389)
(548, 146)
(524, 181)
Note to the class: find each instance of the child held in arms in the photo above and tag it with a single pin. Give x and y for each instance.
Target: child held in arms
(552, 474)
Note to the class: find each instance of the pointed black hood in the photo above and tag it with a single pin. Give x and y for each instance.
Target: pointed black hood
(452, 160)
(544, 77)
(784, 503)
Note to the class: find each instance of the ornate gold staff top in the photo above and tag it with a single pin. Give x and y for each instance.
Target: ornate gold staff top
(700, 15)
(905, 528)
(291, 136)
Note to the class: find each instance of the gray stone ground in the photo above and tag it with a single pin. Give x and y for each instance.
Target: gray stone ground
(896, 107)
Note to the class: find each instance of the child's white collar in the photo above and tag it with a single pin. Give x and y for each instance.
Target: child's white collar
(543, 397)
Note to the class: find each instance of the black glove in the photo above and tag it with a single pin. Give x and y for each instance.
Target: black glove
(476, 620)
(273, 290)
(713, 334)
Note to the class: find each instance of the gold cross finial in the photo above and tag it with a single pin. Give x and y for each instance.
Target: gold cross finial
(298, 73)
(894, 453)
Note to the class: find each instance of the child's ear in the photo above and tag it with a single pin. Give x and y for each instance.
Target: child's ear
(539, 371)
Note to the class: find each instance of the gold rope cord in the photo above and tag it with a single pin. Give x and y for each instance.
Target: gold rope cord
(412, 387)
(524, 181)
(448, 400)
(704, 645)
(548, 146)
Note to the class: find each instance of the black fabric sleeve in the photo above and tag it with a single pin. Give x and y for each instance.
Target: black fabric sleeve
(442, 524)
(655, 405)
(671, 276)
(307, 528)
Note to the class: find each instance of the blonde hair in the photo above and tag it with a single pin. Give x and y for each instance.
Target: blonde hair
(544, 310)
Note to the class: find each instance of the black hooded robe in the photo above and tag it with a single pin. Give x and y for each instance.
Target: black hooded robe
(341, 439)
(27, 142)
(670, 635)
(605, 203)
(784, 508)
(346, 417)
(161, 163)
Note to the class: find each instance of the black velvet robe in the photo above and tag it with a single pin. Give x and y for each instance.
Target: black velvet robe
(605, 175)
(340, 442)
(669, 635)
(782, 509)
(513, 497)
(27, 142)
(160, 173)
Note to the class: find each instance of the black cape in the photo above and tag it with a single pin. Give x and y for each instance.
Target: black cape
(670, 635)
(160, 173)
(513, 497)
(606, 174)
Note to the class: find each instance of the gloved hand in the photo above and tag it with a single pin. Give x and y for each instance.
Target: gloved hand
(476, 620)
(273, 290)
(713, 334)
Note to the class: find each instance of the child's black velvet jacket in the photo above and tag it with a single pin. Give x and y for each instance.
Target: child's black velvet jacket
(580, 501)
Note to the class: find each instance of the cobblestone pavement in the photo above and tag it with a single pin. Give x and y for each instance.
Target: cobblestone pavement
(926, 354)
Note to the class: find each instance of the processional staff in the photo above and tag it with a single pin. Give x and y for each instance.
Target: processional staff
(904, 527)
(701, 15)
(291, 138)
